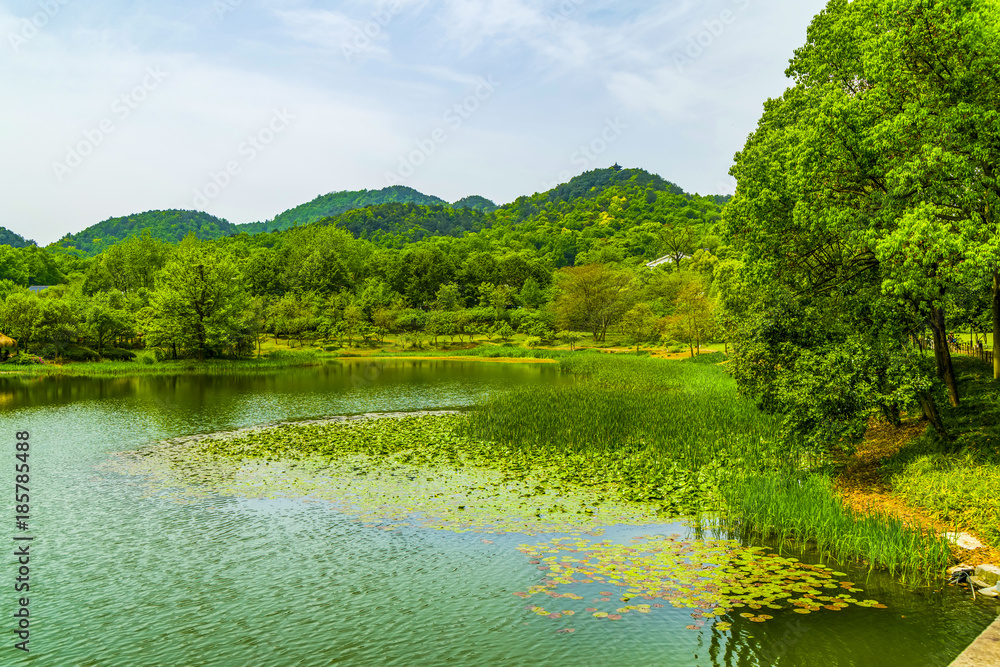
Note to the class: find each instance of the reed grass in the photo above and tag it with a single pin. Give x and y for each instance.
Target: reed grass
(664, 412)
(807, 511)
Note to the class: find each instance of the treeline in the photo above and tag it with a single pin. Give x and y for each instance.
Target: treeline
(322, 282)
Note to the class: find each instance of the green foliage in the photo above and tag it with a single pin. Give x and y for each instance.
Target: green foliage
(170, 226)
(476, 202)
(710, 358)
(23, 359)
(12, 239)
(336, 203)
(117, 354)
(200, 304)
(80, 353)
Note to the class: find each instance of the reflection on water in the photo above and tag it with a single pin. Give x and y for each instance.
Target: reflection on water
(125, 577)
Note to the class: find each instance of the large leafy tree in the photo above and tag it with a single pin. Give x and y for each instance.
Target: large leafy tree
(200, 303)
(593, 298)
(866, 194)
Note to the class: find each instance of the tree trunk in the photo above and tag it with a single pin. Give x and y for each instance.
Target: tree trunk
(942, 355)
(929, 408)
(891, 413)
(996, 324)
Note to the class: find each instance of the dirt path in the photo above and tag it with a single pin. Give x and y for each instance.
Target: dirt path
(864, 486)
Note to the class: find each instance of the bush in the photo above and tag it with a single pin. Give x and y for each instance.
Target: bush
(292, 356)
(148, 357)
(24, 359)
(80, 353)
(118, 354)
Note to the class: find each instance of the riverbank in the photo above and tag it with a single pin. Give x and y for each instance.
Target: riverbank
(949, 486)
(278, 355)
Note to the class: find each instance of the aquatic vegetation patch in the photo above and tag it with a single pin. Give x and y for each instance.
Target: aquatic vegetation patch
(714, 578)
(389, 473)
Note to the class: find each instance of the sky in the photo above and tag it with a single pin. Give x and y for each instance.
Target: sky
(246, 108)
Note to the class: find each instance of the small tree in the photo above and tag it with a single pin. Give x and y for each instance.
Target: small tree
(639, 325)
(694, 318)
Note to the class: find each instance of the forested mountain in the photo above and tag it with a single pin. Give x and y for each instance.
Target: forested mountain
(8, 237)
(476, 202)
(610, 215)
(336, 203)
(404, 268)
(170, 226)
(603, 215)
(397, 224)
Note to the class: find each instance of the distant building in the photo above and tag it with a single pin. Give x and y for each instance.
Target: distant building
(663, 260)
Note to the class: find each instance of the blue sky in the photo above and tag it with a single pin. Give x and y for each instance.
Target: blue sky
(245, 108)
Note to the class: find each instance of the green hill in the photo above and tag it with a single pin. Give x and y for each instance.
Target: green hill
(336, 203)
(608, 214)
(397, 224)
(476, 202)
(604, 215)
(8, 237)
(170, 226)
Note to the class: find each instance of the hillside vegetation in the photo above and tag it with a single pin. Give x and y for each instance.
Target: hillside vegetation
(170, 226)
(12, 239)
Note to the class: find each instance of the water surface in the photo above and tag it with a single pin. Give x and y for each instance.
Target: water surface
(121, 576)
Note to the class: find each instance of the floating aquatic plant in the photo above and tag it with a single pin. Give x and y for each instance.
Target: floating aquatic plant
(712, 577)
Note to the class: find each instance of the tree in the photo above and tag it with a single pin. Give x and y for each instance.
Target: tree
(865, 196)
(200, 303)
(57, 324)
(531, 295)
(677, 242)
(592, 297)
(449, 297)
(105, 318)
(694, 317)
(20, 315)
(497, 297)
(639, 325)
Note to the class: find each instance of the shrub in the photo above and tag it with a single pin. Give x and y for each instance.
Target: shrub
(147, 358)
(708, 358)
(118, 354)
(24, 359)
(80, 353)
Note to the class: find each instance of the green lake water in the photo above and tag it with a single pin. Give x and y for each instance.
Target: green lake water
(123, 576)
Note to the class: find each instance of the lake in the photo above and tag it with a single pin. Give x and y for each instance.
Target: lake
(122, 574)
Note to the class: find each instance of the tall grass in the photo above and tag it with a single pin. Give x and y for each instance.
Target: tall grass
(670, 413)
(807, 511)
(962, 489)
